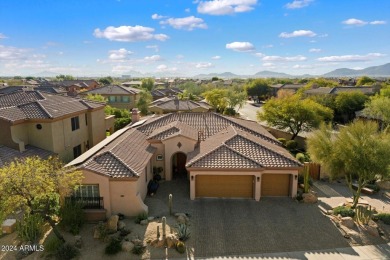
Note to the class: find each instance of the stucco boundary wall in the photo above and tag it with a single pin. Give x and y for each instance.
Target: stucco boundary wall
(282, 134)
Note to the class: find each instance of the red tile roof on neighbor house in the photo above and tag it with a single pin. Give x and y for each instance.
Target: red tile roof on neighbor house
(113, 90)
(7, 155)
(24, 105)
(228, 143)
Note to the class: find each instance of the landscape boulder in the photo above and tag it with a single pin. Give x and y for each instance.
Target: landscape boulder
(78, 241)
(347, 222)
(127, 246)
(121, 225)
(144, 222)
(309, 197)
(171, 240)
(112, 224)
(373, 231)
(383, 185)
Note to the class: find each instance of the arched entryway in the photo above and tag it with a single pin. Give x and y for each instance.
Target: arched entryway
(179, 165)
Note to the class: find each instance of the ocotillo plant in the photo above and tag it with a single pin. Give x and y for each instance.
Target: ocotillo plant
(164, 223)
(306, 172)
(170, 204)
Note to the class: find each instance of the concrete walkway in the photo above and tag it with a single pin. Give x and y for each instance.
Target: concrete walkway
(347, 253)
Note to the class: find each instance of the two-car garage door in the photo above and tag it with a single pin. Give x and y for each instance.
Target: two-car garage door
(224, 186)
(241, 186)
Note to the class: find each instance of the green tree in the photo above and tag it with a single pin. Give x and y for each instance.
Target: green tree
(144, 101)
(106, 81)
(191, 87)
(358, 152)
(64, 77)
(36, 186)
(214, 79)
(147, 83)
(236, 99)
(385, 91)
(259, 88)
(186, 95)
(217, 98)
(347, 103)
(96, 97)
(379, 108)
(365, 81)
(321, 82)
(294, 114)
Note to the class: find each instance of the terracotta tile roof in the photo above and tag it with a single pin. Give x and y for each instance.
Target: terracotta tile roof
(259, 152)
(113, 90)
(7, 155)
(174, 129)
(126, 156)
(175, 104)
(209, 123)
(24, 105)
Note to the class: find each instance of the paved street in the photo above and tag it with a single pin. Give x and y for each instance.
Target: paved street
(248, 111)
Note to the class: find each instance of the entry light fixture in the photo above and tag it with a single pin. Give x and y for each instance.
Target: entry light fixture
(296, 176)
(192, 177)
(258, 179)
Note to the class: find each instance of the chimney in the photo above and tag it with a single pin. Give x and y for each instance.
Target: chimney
(135, 115)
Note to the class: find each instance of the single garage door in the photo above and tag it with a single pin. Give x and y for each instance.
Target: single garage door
(224, 186)
(275, 185)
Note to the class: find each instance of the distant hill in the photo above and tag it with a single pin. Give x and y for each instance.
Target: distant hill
(271, 74)
(374, 71)
(225, 75)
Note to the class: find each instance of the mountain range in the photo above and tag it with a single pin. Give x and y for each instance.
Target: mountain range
(374, 71)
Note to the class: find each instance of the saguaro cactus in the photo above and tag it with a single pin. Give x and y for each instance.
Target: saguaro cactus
(164, 223)
(170, 204)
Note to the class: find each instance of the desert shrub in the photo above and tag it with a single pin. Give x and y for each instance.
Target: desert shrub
(66, 252)
(102, 229)
(30, 228)
(138, 249)
(344, 211)
(229, 111)
(52, 244)
(113, 247)
(72, 217)
(300, 157)
(291, 145)
(140, 217)
(183, 232)
(180, 247)
(283, 141)
(299, 196)
(385, 217)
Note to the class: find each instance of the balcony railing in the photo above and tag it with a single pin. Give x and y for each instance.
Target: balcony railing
(87, 202)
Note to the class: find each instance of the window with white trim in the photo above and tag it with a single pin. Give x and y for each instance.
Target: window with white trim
(86, 191)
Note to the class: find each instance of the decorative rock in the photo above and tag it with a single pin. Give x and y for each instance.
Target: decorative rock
(121, 225)
(158, 242)
(150, 218)
(78, 241)
(171, 240)
(347, 222)
(96, 233)
(144, 222)
(309, 197)
(112, 223)
(384, 185)
(181, 220)
(136, 241)
(373, 231)
(127, 246)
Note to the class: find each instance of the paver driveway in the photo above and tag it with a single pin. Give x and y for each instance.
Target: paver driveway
(233, 226)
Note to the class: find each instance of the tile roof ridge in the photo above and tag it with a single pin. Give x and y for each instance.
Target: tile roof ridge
(120, 160)
(245, 156)
(40, 94)
(44, 109)
(268, 149)
(204, 155)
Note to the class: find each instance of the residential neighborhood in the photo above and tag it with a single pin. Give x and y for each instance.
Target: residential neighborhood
(208, 129)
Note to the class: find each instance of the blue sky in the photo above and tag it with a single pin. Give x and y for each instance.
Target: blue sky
(186, 38)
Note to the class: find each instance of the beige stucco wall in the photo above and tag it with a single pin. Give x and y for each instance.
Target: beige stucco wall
(96, 126)
(160, 149)
(170, 145)
(104, 187)
(256, 174)
(6, 135)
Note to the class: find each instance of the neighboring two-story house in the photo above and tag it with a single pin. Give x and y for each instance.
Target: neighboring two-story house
(117, 96)
(49, 124)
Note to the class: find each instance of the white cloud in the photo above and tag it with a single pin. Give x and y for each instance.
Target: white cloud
(296, 4)
(2, 36)
(203, 65)
(299, 33)
(378, 22)
(187, 10)
(357, 22)
(259, 54)
(353, 21)
(153, 58)
(157, 17)
(12, 53)
(129, 34)
(121, 68)
(120, 54)
(154, 47)
(164, 67)
(352, 58)
(283, 59)
(315, 50)
(186, 23)
(179, 56)
(269, 65)
(216, 57)
(240, 46)
(302, 66)
(223, 7)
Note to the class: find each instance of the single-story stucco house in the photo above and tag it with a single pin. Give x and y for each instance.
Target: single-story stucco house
(219, 156)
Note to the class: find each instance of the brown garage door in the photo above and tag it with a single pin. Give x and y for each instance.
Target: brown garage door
(224, 186)
(275, 184)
